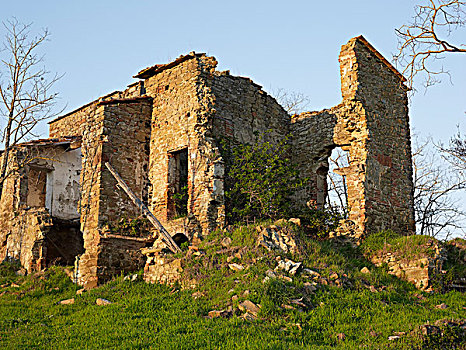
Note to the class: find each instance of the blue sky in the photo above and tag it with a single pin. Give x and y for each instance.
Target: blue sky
(294, 45)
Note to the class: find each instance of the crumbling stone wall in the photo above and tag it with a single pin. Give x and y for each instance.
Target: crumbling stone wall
(77, 121)
(388, 187)
(372, 125)
(119, 134)
(421, 270)
(26, 219)
(118, 254)
(175, 125)
(194, 105)
(187, 106)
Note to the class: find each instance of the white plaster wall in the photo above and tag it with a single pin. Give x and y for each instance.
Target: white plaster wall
(63, 189)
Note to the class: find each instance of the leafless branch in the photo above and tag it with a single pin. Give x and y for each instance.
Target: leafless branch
(436, 204)
(25, 87)
(428, 38)
(292, 102)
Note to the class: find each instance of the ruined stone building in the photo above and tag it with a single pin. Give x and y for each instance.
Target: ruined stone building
(161, 135)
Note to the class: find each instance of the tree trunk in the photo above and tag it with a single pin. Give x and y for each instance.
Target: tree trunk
(6, 153)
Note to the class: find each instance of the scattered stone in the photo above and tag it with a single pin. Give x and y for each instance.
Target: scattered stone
(249, 306)
(238, 255)
(231, 291)
(309, 288)
(102, 301)
(249, 316)
(394, 337)
(276, 239)
(346, 228)
(333, 276)
(299, 302)
(289, 266)
(441, 306)
(234, 298)
(219, 313)
(236, 267)
(310, 273)
(80, 291)
(226, 242)
(197, 295)
(285, 278)
(14, 285)
(66, 302)
(341, 336)
(230, 259)
(429, 330)
(21, 272)
(373, 289)
(246, 293)
(131, 277)
(365, 270)
(288, 307)
(295, 221)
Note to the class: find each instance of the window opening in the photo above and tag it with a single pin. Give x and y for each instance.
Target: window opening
(178, 184)
(337, 197)
(37, 184)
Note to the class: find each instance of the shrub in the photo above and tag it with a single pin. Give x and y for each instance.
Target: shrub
(137, 227)
(260, 179)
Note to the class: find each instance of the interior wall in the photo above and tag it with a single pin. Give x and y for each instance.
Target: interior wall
(63, 190)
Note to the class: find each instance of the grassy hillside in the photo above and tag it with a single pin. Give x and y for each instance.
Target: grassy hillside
(336, 305)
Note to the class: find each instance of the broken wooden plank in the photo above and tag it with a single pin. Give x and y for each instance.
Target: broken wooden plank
(171, 244)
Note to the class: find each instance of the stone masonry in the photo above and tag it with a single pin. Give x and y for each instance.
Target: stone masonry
(162, 134)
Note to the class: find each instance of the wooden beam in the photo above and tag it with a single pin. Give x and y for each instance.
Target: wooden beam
(171, 244)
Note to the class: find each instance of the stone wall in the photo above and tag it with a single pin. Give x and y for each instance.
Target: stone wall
(26, 226)
(420, 270)
(388, 190)
(372, 124)
(161, 269)
(119, 254)
(119, 134)
(26, 240)
(76, 122)
(194, 106)
(185, 107)
(175, 117)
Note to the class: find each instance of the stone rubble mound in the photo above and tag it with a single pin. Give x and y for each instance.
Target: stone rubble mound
(276, 238)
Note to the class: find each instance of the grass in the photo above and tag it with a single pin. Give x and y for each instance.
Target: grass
(406, 247)
(167, 317)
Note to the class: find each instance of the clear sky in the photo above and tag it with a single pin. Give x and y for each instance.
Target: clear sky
(99, 45)
(293, 45)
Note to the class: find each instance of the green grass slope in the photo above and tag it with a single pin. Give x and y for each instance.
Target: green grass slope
(348, 309)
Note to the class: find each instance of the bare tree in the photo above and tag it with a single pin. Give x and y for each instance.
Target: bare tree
(337, 195)
(25, 97)
(292, 102)
(429, 37)
(437, 208)
(455, 152)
